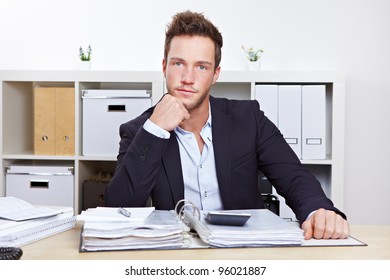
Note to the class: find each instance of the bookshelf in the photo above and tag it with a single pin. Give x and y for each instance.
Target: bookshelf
(16, 128)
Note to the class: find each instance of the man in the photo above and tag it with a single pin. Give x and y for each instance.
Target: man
(209, 150)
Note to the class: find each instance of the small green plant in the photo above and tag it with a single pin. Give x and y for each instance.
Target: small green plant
(252, 54)
(83, 56)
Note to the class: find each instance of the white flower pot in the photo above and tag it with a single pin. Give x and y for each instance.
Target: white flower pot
(254, 65)
(85, 65)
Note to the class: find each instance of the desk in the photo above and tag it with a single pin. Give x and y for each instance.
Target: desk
(65, 246)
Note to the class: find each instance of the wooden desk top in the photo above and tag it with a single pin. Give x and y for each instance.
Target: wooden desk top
(65, 246)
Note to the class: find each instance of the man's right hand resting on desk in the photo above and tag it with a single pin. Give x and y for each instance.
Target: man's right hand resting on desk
(325, 224)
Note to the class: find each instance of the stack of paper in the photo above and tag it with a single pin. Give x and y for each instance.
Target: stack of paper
(159, 230)
(22, 223)
(264, 228)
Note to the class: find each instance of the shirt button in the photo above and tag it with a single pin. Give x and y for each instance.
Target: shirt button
(205, 194)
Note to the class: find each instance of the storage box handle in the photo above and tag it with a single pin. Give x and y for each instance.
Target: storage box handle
(116, 108)
(41, 184)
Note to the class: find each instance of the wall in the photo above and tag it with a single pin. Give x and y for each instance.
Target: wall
(351, 35)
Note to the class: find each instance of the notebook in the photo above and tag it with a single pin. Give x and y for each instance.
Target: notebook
(15, 209)
(16, 234)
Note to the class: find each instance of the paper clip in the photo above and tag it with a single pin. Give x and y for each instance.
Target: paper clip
(124, 212)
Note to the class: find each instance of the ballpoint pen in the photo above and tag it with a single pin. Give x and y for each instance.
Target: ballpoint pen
(124, 212)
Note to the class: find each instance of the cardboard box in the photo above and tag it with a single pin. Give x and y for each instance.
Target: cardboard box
(103, 112)
(93, 194)
(41, 185)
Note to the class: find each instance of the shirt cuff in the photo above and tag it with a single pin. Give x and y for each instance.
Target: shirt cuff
(311, 214)
(154, 129)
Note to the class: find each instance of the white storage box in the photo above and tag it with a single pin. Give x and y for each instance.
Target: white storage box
(103, 112)
(41, 185)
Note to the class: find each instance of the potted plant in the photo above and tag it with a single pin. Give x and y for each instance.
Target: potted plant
(85, 58)
(253, 56)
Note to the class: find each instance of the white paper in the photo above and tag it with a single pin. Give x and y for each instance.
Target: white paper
(15, 209)
(110, 214)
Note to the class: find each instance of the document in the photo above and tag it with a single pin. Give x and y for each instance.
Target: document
(161, 230)
(19, 233)
(112, 214)
(15, 209)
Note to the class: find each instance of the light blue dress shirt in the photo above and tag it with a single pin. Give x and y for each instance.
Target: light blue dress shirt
(199, 173)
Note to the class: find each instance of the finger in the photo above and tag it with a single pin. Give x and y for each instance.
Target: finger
(341, 228)
(331, 225)
(307, 227)
(319, 223)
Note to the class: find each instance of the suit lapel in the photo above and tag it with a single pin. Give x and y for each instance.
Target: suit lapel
(221, 128)
(172, 166)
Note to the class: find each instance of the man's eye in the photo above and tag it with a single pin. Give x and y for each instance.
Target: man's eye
(178, 63)
(202, 67)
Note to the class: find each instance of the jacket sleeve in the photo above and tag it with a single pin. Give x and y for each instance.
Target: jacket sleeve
(139, 160)
(291, 179)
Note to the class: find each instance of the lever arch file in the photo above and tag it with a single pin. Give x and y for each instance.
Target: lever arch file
(290, 116)
(267, 95)
(313, 122)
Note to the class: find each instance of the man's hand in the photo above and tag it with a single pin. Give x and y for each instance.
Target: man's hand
(169, 113)
(325, 224)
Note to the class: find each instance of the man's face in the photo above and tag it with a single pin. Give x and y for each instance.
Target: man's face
(189, 70)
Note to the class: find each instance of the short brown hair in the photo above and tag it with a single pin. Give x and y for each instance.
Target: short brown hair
(191, 23)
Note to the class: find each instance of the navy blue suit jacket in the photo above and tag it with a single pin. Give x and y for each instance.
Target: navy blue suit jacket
(245, 141)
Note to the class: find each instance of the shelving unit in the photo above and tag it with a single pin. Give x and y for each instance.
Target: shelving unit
(16, 110)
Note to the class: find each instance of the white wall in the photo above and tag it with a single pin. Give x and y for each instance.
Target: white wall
(350, 35)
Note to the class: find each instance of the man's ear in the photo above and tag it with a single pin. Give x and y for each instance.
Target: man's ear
(164, 66)
(216, 74)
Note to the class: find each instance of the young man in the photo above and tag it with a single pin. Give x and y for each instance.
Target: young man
(209, 150)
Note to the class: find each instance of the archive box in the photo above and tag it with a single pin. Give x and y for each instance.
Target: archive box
(103, 112)
(93, 194)
(41, 185)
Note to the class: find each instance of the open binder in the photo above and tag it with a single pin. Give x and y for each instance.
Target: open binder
(264, 228)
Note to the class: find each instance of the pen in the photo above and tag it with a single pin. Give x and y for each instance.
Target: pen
(124, 212)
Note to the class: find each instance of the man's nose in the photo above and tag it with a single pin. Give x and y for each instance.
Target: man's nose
(187, 76)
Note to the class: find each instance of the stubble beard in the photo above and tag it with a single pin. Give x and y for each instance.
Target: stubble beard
(198, 102)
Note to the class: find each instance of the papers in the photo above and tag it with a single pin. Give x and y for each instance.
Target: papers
(19, 233)
(15, 209)
(264, 228)
(111, 214)
(162, 230)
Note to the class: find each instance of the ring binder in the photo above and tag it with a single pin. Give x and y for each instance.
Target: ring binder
(180, 214)
(265, 228)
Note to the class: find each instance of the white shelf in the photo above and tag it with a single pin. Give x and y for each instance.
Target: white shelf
(16, 130)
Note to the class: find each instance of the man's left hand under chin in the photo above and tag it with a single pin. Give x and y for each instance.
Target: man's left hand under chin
(325, 224)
